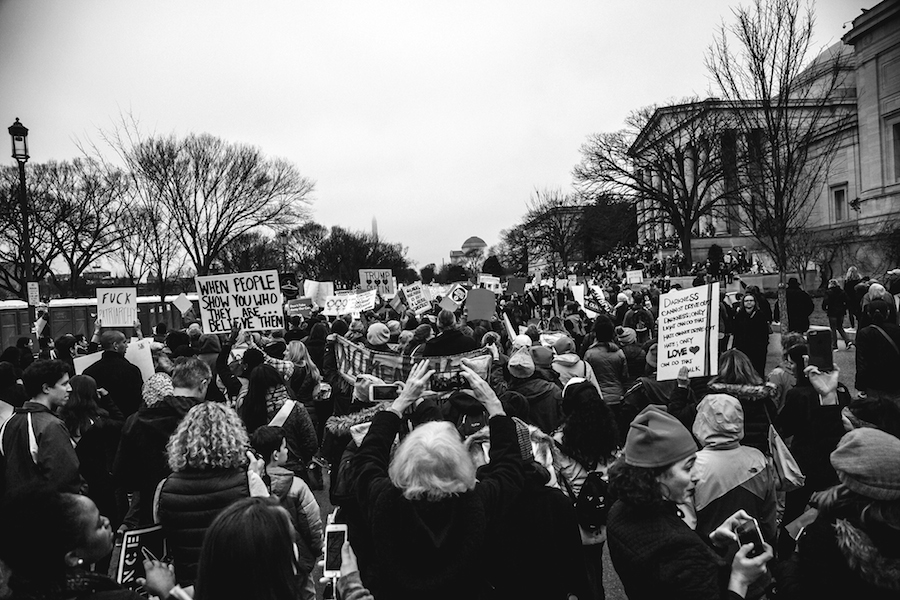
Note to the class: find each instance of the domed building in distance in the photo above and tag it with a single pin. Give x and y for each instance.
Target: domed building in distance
(471, 246)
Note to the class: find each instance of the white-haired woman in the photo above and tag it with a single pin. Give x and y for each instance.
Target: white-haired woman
(428, 515)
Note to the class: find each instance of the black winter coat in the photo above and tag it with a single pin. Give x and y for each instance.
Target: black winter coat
(799, 307)
(835, 303)
(120, 378)
(658, 556)
(449, 343)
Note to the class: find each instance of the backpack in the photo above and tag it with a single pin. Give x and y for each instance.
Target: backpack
(591, 505)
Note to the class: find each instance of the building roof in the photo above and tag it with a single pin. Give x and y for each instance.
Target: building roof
(474, 243)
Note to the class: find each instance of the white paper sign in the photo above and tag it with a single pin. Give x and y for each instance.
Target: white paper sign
(490, 283)
(688, 332)
(182, 303)
(334, 306)
(418, 298)
(318, 291)
(634, 276)
(365, 301)
(252, 298)
(117, 307)
(138, 354)
(377, 279)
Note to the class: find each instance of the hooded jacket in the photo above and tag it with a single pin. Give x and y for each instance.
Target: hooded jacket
(729, 476)
(570, 365)
(610, 369)
(757, 402)
(295, 495)
(544, 401)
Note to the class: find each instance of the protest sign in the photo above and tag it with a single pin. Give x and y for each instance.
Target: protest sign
(318, 291)
(489, 282)
(354, 360)
(458, 293)
(117, 307)
(688, 332)
(335, 306)
(289, 285)
(182, 303)
(299, 307)
(417, 297)
(515, 285)
(365, 301)
(447, 303)
(136, 543)
(138, 353)
(634, 276)
(572, 280)
(578, 294)
(481, 304)
(254, 299)
(83, 362)
(377, 279)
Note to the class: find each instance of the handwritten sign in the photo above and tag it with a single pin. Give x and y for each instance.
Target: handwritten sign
(117, 307)
(365, 301)
(252, 298)
(634, 276)
(418, 298)
(688, 332)
(138, 353)
(377, 279)
(151, 540)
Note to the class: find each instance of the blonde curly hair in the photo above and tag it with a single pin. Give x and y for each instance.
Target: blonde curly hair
(211, 436)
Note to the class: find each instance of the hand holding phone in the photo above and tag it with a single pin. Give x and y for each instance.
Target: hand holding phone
(748, 533)
(335, 536)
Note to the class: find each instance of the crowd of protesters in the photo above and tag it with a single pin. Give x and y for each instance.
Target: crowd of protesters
(510, 487)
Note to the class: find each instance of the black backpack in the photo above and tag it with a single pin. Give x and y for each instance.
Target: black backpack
(591, 507)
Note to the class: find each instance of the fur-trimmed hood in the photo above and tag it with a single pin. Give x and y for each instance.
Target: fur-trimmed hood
(865, 559)
(340, 426)
(745, 392)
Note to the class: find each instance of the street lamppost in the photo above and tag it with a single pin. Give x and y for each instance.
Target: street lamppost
(19, 135)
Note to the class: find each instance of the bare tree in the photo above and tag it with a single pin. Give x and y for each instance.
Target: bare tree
(87, 211)
(667, 161)
(554, 224)
(44, 249)
(210, 191)
(788, 111)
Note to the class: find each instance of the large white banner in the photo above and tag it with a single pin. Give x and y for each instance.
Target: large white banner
(688, 332)
(254, 299)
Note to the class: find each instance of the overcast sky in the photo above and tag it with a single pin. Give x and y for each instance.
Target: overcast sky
(439, 118)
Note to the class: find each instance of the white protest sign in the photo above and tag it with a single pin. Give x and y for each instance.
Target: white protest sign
(117, 307)
(318, 291)
(634, 276)
(83, 362)
(182, 303)
(335, 306)
(688, 332)
(365, 301)
(138, 354)
(377, 279)
(252, 298)
(417, 297)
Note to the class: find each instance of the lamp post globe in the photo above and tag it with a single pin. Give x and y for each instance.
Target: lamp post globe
(19, 135)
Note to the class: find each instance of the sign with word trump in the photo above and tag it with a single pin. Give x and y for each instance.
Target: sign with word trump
(377, 279)
(117, 307)
(688, 332)
(253, 299)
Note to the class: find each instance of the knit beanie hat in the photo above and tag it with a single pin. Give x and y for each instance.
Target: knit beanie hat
(868, 462)
(626, 335)
(393, 327)
(542, 356)
(657, 439)
(340, 327)
(564, 345)
(652, 355)
(156, 387)
(209, 344)
(378, 334)
(521, 341)
(521, 364)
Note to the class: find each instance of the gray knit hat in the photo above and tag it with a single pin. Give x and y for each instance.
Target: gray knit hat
(868, 462)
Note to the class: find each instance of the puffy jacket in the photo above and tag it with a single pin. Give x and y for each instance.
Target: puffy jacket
(50, 458)
(187, 503)
(835, 302)
(298, 499)
(611, 369)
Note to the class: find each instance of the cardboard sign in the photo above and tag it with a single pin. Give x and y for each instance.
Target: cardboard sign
(481, 304)
(447, 303)
(335, 306)
(117, 307)
(318, 291)
(417, 297)
(252, 298)
(515, 285)
(365, 301)
(83, 362)
(377, 279)
(135, 542)
(688, 332)
(634, 276)
(490, 283)
(138, 353)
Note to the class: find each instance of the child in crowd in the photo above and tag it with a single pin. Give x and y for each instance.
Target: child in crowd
(295, 496)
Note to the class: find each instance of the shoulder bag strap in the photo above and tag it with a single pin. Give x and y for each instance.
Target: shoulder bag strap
(888, 338)
(283, 413)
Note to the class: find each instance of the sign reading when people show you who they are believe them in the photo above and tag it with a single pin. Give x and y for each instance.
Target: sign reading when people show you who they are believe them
(688, 332)
(253, 299)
